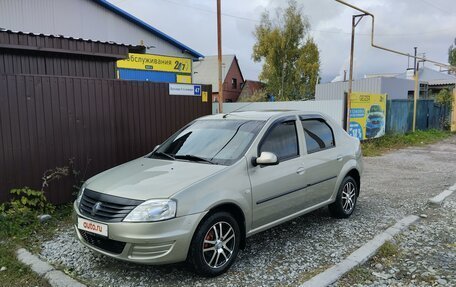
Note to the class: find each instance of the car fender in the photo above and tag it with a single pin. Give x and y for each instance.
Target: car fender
(232, 186)
(348, 166)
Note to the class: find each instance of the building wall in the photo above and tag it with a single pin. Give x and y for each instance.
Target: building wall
(336, 90)
(231, 94)
(395, 88)
(79, 19)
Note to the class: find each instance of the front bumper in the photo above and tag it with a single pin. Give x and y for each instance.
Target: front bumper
(152, 243)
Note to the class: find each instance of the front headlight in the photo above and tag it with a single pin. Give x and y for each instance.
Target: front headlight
(153, 210)
(80, 193)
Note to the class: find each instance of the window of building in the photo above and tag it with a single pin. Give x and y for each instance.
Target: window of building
(282, 140)
(319, 136)
(234, 83)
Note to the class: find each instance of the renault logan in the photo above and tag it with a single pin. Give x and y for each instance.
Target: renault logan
(216, 181)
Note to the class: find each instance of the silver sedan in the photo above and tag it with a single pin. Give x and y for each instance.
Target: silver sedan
(217, 181)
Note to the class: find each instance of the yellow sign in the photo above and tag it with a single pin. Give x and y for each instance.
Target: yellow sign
(156, 63)
(183, 79)
(367, 115)
(204, 97)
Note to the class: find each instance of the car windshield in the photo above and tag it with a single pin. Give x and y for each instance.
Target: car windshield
(210, 141)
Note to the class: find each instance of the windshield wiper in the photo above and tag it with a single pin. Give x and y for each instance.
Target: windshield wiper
(193, 158)
(164, 154)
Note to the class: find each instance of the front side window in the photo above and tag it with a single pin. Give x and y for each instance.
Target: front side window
(318, 135)
(215, 141)
(282, 140)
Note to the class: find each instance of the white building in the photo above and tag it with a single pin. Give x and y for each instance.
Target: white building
(96, 20)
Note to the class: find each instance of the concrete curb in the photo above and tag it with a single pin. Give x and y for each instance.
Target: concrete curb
(55, 277)
(438, 199)
(360, 255)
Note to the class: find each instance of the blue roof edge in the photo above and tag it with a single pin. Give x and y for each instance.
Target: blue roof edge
(148, 27)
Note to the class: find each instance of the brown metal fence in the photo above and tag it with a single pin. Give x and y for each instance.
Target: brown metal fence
(46, 120)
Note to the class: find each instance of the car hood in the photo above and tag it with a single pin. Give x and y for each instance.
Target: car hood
(147, 178)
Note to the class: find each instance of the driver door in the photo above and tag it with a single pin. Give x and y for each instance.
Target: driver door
(275, 186)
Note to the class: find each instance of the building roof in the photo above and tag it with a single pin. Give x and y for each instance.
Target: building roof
(147, 27)
(61, 44)
(249, 88)
(432, 77)
(206, 71)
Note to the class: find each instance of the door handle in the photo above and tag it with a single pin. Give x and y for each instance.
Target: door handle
(301, 171)
(339, 158)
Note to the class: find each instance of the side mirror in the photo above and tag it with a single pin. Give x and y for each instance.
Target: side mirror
(155, 148)
(266, 158)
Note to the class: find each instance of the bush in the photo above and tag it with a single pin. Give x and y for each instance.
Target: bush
(20, 213)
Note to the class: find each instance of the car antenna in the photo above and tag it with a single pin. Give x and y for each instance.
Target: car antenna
(225, 115)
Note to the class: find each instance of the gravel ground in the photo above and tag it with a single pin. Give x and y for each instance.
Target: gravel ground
(393, 186)
(426, 254)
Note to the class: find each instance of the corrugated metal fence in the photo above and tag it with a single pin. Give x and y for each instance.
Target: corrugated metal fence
(100, 123)
(429, 115)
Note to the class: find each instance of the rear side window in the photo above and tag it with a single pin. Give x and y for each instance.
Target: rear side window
(319, 136)
(282, 140)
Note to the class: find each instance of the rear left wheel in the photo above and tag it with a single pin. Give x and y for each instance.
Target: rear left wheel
(215, 245)
(346, 199)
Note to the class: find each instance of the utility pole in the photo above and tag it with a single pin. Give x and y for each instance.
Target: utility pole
(284, 65)
(415, 94)
(355, 22)
(219, 45)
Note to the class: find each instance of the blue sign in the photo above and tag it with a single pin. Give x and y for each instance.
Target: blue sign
(197, 90)
(356, 130)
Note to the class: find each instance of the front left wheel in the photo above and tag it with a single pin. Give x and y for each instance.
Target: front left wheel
(215, 244)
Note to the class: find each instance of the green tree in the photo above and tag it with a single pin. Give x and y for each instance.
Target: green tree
(452, 56)
(291, 58)
(444, 97)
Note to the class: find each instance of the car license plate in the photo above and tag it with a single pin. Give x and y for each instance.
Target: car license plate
(93, 227)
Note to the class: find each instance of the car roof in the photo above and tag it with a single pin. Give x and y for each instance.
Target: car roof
(261, 115)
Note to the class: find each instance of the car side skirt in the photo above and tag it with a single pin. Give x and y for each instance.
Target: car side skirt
(287, 218)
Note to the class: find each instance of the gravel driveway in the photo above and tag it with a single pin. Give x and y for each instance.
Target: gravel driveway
(393, 185)
(426, 254)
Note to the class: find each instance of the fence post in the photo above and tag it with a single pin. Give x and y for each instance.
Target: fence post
(453, 112)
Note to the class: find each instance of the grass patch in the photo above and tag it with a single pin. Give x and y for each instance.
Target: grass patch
(378, 146)
(357, 275)
(387, 250)
(25, 230)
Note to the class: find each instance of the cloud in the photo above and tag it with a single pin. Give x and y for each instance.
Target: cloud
(401, 25)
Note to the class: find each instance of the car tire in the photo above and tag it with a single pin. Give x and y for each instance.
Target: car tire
(213, 252)
(346, 199)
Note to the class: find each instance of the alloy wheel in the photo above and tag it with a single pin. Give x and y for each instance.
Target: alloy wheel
(348, 197)
(218, 245)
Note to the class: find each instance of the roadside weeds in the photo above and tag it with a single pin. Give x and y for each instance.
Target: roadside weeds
(389, 142)
(16, 273)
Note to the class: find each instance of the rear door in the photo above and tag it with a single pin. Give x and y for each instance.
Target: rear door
(323, 159)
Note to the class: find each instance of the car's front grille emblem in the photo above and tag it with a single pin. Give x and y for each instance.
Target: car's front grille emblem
(106, 207)
(95, 208)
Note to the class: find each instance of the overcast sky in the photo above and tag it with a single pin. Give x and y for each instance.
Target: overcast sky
(400, 24)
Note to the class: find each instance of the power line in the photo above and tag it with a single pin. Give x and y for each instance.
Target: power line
(433, 5)
(314, 30)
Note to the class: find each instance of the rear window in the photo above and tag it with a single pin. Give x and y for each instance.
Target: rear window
(319, 136)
